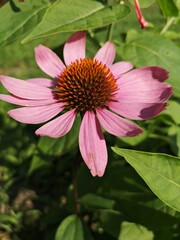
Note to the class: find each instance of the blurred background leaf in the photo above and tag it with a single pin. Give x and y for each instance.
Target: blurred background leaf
(19, 19)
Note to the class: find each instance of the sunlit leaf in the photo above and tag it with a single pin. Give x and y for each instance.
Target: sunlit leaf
(132, 231)
(75, 15)
(159, 171)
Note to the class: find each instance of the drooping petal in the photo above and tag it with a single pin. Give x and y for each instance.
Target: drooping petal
(119, 68)
(48, 61)
(143, 85)
(116, 125)
(34, 115)
(92, 144)
(74, 48)
(137, 111)
(106, 54)
(25, 89)
(26, 102)
(159, 94)
(59, 126)
(43, 82)
(144, 77)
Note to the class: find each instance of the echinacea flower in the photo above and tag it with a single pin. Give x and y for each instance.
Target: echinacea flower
(96, 89)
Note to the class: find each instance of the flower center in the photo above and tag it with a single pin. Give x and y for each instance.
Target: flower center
(85, 85)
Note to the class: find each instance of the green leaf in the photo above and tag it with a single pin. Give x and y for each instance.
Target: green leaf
(138, 212)
(159, 171)
(70, 229)
(111, 221)
(18, 19)
(177, 2)
(172, 109)
(132, 231)
(37, 163)
(129, 186)
(75, 15)
(97, 202)
(161, 206)
(174, 134)
(168, 8)
(8, 219)
(151, 49)
(132, 211)
(144, 3)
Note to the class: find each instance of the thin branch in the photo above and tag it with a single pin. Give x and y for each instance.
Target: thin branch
(169, 22)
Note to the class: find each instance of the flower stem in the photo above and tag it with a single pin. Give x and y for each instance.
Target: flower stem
(75, 187)
(110, 32)
(111, 26)
(167, 25)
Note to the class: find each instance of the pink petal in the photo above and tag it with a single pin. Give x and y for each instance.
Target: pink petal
(116, 125)
(48, 61)
(143, 85)
(92, 144)
(25, 89)
(106, 54)
(34, 115)
(74, 48)
(59, 126)
(119, 68)
(25, 102)
(44, 82)
(159, 93)
(137, 111)
(143, 78)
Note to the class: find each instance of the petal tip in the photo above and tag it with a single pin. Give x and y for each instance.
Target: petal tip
(38, 133)
(77, 36)
(135, 132)
(159, 73)
(74, 48)
(97, 173)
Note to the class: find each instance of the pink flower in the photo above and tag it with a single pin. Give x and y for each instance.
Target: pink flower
(143, 23)
(96, 89)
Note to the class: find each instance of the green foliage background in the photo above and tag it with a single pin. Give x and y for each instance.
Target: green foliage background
(138, 198)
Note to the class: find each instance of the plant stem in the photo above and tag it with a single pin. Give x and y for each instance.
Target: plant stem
(167, 25)
(111, 26)
(110, 32)
(75, 187)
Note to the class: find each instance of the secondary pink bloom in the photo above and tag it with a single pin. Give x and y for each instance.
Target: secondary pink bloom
(143, 23)
(96, 89)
